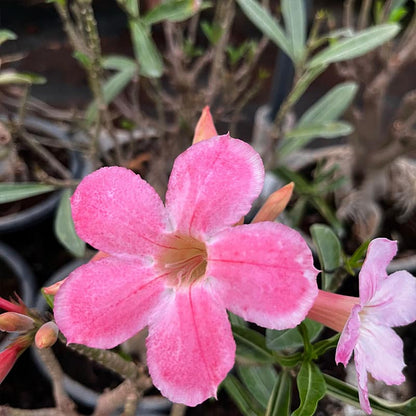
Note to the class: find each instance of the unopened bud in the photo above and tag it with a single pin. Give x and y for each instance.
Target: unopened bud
(47, 335)
(15, 322)
(275, 204)
(205, 128)
(53, 289)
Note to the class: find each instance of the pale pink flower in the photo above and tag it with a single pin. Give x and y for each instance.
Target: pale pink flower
(178, 267)
(366, 322)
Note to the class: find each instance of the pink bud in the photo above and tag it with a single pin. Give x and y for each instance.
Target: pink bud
(46, 335)
(53, 289)
(9, 356)
(12, 307)
(13, 321)
(205, 128)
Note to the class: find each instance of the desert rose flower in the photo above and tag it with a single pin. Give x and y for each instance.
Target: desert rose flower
(366, 322)
(9, 356)
(177, 267)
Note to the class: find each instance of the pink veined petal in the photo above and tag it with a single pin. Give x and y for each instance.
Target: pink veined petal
(349, 337)
(105, 302)
(190, 347)
(264, 273)
(382, 351)
(212, 185)
(394, 303)
(379, 254)
(360, 367)
(117, 212)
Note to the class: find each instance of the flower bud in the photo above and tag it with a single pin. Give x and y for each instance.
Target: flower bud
(53, 289)
(9, 356)
(13, 307)
(46, 335)
(275, 204)
(13, 321)
(205, 128)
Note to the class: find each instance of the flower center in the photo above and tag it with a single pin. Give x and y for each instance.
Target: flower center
(184, 259)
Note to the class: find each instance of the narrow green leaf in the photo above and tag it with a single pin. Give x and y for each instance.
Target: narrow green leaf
(145, 50)
(111, 89)
(259, 380)
(173, 11)
(11, 77)
(212, 31)
(299, 137)
(329, 252)
(355, 261)
(331, 106)
(10, 192)
(251, 346)
(241, 396)
(358, 45)
(349, 394)
(83, 59)
(278, 340)
(119, 63)
(327, 212)
(280, 399)
(266, 23)
(7, 35)
(49, 299)
(294, 15)
(311, 386)
(64, 227)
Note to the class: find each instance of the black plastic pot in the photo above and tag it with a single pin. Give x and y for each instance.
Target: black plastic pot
(11, 261)
(39, 211)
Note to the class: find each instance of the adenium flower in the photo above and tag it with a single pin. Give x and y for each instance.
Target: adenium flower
(366, 322)
(177, 267)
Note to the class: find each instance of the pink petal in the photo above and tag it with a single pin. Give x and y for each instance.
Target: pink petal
(264, 273)
(394, 302)
(190, 346)
(103, 303)
(360, 367)
(212, 185)
(379, 254)
(349, 337)
(117, 212)
(382, 351)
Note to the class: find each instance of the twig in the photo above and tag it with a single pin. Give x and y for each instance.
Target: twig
(23, 106)
(45, 154)
(364, 14)
(63, 403)
(177, 409)
(348, 15)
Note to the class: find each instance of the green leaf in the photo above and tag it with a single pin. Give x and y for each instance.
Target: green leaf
(64, 227)
(349, 394)
(311, 386)
(329, 252)
(83, 59)
(119, 63)
(294, 15)
(259, 380)
(10, 192)
(7, 35)
(241, 396)
(278, 340)
(299, 137)
(279, 401)
(173, 11)
(266, 23)
(358, 45)
(11, 77)
(251, 346)
(145, 51)
(331, 106)
(212, 31)
(49, 298)
(355, 261)
(111, 89)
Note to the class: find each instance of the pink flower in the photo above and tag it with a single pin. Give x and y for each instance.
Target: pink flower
(366, 323)
(177, 267)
